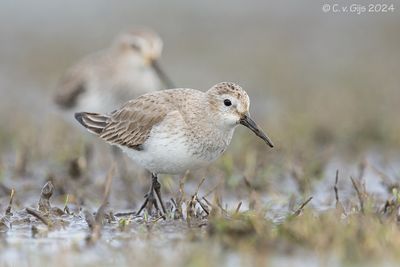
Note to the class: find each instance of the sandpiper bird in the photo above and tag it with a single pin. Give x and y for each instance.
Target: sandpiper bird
(104, 80)
(171, 131)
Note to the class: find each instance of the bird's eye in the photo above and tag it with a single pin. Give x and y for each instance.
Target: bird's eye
(227, 102)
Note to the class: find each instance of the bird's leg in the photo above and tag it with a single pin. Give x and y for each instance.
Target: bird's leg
(157, 188)
(149, 201)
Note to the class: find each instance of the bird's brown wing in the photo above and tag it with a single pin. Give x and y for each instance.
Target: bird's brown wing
(131, 125)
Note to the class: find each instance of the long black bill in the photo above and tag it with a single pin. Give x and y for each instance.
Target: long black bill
(161, 74)
(249, 123)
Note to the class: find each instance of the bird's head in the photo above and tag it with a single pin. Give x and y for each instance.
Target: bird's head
(144, 47)
(231, 105)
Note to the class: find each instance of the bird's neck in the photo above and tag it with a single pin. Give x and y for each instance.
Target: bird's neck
(212, 137)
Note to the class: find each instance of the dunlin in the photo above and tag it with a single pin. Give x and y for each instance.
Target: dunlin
(175, 130)
(104, 80)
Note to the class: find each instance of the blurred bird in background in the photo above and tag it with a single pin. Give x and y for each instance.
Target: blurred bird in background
(105, 79)
(102, 81)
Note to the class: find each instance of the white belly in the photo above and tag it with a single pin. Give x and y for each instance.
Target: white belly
(166, 154)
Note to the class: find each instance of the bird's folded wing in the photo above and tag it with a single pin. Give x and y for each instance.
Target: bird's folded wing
(131, 125)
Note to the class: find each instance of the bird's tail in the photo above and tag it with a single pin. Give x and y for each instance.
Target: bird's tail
(93, 122)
